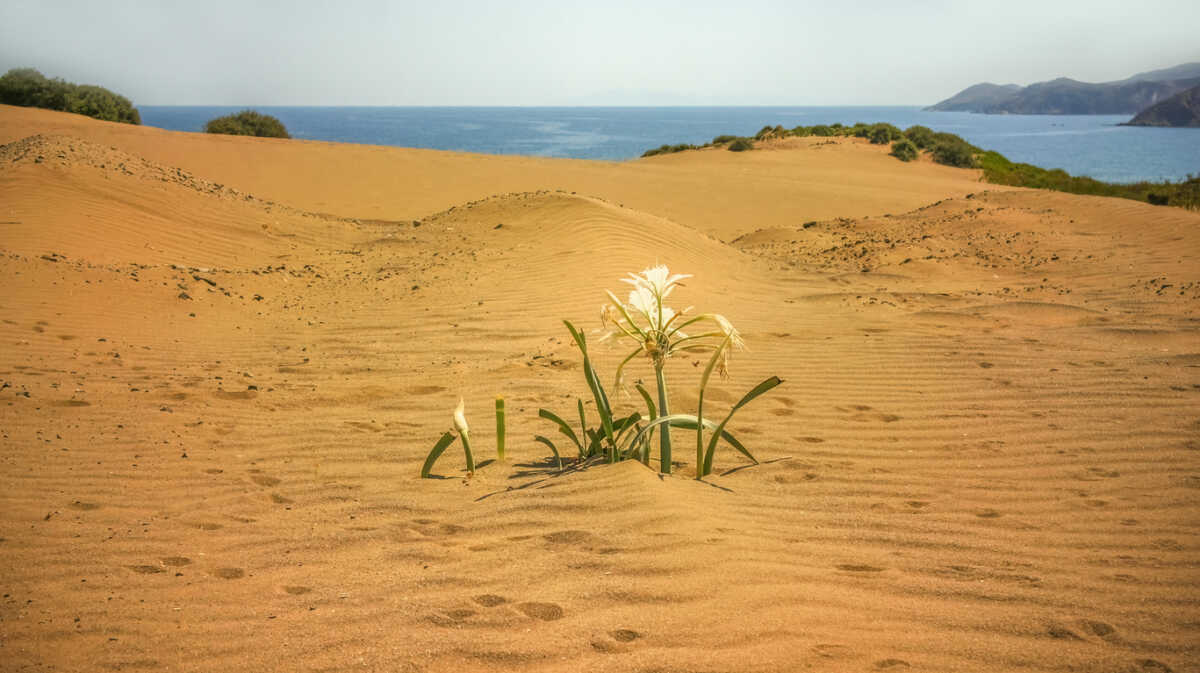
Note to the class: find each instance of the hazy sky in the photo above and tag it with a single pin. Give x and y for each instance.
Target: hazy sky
(653, 52)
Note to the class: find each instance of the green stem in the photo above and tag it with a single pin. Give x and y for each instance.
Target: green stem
(500, 429)
(466, 439)
(700, 435)
(664, 435)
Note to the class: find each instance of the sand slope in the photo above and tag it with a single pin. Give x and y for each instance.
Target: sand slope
(225, 359)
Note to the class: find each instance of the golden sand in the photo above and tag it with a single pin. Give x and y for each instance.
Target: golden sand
(224, 360)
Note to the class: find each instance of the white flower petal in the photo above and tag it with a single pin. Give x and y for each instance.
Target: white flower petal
(460, 417)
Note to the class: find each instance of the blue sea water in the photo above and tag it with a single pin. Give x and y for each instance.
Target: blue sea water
(1091, 145)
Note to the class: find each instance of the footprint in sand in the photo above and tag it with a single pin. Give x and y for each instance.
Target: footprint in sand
(264, 480)
(296, 590)
(229, 573)
(84, 506)
(208, 525)
(146, 569)
(617, 641)
(490, 600)
(547, 612)
(451, 617)
(280, 500)
(176, 561)
(72, 403)
(988, 514)
(884, 664)
(1062, 632)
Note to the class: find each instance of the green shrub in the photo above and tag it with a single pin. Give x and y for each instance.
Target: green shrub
(904, 150)
(27, 87)
(821, 130)
(920, 136)
(669, 149)
(741, 145)
(954, 151)
(884, 133)
(997, 169)
(247, 123)
(721, 140)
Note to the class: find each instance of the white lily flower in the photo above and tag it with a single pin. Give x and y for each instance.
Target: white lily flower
(657, 279)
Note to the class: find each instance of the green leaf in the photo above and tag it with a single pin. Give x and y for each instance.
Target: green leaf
(653, 414)
(446, 440)
(562, 426)
(690, 422)
(712, 364)
(602, 406)
(547, 442)
(757, 390)
(627, 423)
(582, 423)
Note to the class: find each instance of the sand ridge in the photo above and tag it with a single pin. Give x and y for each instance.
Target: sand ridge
(214, 407)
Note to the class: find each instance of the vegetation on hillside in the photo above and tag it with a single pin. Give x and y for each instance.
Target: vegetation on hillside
(247, 123)
(27, 87)
(952, 150)
(731, 143)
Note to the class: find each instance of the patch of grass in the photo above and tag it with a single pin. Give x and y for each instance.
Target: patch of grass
(247, 123)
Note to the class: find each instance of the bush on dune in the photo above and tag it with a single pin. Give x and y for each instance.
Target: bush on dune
(247, 123)
(27, 87)
(904, 150)
(951, 150)
(741, 145)
(921, 136)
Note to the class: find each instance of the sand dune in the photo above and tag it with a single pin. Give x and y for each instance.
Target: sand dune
(226, 358)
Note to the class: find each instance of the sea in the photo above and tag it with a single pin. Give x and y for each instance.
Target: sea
(1092, 145)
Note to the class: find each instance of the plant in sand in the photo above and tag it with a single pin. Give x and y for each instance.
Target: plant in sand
(658, 332)
(464, 433)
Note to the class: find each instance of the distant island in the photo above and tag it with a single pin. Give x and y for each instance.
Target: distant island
(1180, 110)
(1065, 96)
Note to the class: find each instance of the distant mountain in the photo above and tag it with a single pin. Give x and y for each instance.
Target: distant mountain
(1068, 96)
(1182, 109)
(1185, 71)
(978, 97)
